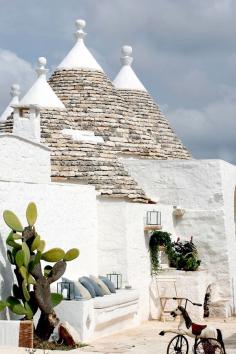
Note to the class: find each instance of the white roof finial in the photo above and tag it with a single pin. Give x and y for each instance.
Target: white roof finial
(126, 79)
(126, 55)
(15, 93)
(41, 93)
(79, 56)
(41, 70)
(80, 25)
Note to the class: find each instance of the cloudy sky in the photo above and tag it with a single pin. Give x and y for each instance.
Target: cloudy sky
(184, 53)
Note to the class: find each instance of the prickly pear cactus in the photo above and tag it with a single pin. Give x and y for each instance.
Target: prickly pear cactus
(32, 291)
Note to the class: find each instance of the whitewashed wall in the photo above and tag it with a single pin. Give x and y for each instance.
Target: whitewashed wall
(23, 160)
(228, 172)
(123, 247)
(205, 188)
(67, 218)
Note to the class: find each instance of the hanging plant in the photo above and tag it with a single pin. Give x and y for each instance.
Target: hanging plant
(157, 239)
(182, 255)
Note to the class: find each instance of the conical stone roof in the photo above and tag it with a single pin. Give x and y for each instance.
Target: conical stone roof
(94, 104)
(148, 112)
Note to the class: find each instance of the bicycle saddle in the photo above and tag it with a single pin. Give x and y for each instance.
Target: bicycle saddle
(197, 329)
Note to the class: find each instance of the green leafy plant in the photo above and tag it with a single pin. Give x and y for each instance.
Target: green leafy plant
(157, 239)
(32, 291)
(182, 255)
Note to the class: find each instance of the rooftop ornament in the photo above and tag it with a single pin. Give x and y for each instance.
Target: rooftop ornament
(40, 69)
(15, 93)
(41, 93)
(79, 57)
(126, 78)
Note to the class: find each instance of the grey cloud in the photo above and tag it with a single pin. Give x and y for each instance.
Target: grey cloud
(13, 70)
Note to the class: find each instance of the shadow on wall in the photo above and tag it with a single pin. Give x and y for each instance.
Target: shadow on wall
(6, 275)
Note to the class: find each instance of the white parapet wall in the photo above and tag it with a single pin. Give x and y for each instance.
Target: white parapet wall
(23, 160)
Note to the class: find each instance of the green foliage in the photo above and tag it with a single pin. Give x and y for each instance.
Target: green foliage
(181, 255)
(19, 258)
(53, 255)
(25, 253)
(71, 254)
(12, 221)
(184, 256)
(31, 214)
(56, 299)
(157, 239)
(35, 243)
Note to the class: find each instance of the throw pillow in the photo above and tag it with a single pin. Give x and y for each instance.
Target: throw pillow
(108, 283)
(102, 285)
(97, 289)
(85, 281)
(83, 291)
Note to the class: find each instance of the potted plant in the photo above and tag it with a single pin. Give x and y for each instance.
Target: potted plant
(184, 256)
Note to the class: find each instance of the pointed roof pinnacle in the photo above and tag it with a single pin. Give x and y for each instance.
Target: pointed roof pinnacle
(80, 24)
(126, 79)
(40, 69)
(41, 93)
(79, 56)
(126, 55)
(15, 93)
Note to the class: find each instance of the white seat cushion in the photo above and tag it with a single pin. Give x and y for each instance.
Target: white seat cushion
(119, 298)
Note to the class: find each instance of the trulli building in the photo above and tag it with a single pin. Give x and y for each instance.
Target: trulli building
(95, 156)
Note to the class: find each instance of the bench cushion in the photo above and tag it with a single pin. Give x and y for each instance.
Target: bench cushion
(121, 297)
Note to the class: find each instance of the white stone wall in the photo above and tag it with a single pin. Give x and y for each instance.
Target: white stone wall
(67, 218)
(22, 160)
(205, 189)
(194, 184)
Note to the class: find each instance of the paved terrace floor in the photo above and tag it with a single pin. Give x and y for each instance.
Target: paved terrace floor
(145, 339)
(142, 340)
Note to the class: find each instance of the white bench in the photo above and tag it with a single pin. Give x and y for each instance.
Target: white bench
(101, 316)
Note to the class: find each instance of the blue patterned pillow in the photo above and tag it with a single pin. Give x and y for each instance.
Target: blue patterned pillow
(85, 281)
(108, 283)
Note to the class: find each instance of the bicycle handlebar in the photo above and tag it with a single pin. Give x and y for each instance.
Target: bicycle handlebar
(187, 300)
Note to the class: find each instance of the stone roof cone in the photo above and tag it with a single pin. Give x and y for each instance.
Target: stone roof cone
(15, 93)
(148, 112)
(41, 93)
(94, 104)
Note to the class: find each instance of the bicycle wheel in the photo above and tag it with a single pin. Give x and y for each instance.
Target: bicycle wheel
(178, 345)
(208, 346)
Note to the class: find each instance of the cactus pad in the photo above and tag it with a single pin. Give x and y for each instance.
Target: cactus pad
(19, 258)
(12, 221)
(31, 214)
(53, 255)
(71, 254)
